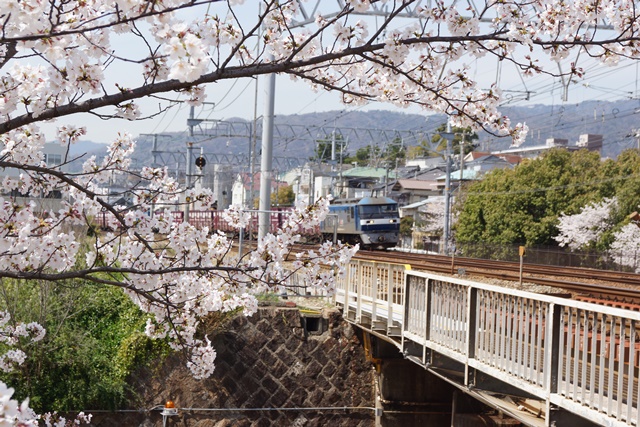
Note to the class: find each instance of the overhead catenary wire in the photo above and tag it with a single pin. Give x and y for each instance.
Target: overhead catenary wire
(285, 409)
(238, 409)
(552, 188)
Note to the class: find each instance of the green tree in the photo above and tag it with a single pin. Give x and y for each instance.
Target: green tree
(463, 138)
(406, 226)
(324, 147)
(395, 153)
(94, 342)
(415, 151)
(364, 155)
(522, 205)
(283, 196)
(625, 177)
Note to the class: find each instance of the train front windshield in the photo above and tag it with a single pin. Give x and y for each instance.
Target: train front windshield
(377, 211)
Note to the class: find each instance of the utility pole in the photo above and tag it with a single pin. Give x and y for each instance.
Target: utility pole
(252, 149)
(188, 166)
(154, 152)
(155, 164)
(254, 132)
(266, 163)
(448, 135)
(339, 195)
(333, 147)
(462, 154)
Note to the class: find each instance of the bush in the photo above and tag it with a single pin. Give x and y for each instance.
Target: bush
(94, 342)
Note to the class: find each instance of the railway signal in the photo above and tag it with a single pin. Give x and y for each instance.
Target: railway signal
(201, 162)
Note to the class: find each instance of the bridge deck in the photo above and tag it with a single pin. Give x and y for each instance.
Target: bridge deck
(573, 356)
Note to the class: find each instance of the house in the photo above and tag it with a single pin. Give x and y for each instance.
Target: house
(54, 157)
(246, 189)
(430, 174)
(313, 181)
(361, 182)
(512, 159)
(412, 210)
(430, 208)
(589, 141)
(456, 178)
(409, 191)
(426, 162)
(486, 163)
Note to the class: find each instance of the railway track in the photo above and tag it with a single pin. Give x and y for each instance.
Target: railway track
(580, 282)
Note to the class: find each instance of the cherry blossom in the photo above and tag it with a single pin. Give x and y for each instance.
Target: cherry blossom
(432, 217)
(11, 334)
(53, 419)
(579, 230)
(13, 413)
(626, 246)
(60, 59)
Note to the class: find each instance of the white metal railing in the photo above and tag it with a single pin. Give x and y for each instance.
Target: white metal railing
(511, 334)
(373, 292)
(579, 356)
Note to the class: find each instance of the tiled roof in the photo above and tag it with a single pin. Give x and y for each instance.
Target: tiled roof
(510, 158)
(362, 172)
(416, 184)
(455, 175)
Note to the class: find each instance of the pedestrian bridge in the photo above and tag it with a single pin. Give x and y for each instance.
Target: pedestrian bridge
(540, 359)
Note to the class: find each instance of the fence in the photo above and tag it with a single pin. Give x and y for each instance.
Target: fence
(582, 357)
(579, 356)
(545, 255)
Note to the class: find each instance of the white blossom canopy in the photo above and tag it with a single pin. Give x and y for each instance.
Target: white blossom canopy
(62, 58)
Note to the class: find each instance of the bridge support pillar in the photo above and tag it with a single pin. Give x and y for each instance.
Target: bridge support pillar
(408, 394)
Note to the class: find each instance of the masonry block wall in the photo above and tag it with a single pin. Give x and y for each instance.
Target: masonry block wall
(266, 362)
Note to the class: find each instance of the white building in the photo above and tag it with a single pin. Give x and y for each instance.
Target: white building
(54, 156)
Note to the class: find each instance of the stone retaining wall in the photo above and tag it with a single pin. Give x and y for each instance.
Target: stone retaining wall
(266, 362)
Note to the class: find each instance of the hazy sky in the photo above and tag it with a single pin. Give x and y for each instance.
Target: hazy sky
(238, 98)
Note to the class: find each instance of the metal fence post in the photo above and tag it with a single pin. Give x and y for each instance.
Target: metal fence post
(345, 309)
(552, 348)
(472, 330)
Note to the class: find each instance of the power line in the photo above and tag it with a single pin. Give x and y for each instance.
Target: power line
(557, 187)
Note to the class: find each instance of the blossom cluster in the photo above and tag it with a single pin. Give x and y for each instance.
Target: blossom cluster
(13, 413)
(56, 420)
(626, 246)
(425, 63)
(579, 230)
(59, 58)
(16, 414)
(586, 227)
(195, 273)
(174, 271)
(10, 334)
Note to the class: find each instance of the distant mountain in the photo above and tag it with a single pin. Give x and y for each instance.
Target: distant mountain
(616, 121)
(82, 147)
(296, 135)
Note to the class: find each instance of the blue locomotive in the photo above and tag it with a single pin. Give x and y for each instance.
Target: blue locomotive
(373, 222)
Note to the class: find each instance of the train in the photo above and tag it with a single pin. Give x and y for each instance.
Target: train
(371, 222)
